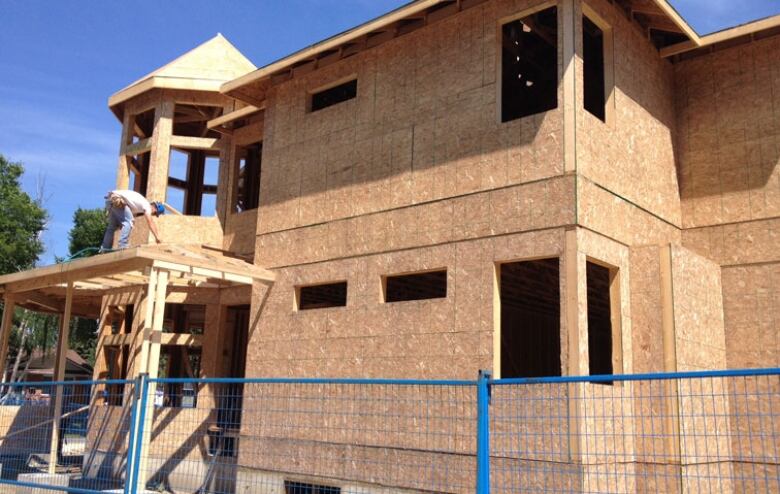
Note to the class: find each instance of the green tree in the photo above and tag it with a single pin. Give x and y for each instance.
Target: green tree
(88, 228)
(87, 231)
(22, 220)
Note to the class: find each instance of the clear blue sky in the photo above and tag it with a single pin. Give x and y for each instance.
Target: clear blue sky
(61, 60)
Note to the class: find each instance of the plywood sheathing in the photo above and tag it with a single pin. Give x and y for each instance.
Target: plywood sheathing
(423, 127)
(204, 68)
(729, 130)
(632, 154)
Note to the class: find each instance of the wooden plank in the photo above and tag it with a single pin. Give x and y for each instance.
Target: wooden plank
(59, 375)
(186, 142)
(136, 148)
(189, 340)
(234, 115)
(569, 88)
(671, 421)
(158, 315)
(571, 317)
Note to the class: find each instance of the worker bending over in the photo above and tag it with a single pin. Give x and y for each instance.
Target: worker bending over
(123, 207)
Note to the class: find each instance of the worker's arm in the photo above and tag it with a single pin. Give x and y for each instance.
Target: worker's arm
(152, 226)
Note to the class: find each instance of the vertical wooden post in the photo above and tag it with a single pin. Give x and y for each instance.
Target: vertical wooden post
(155, 312)
(571, 281)
(161, 151)
(59, 375)
(142, 366)
(569, 17)
(5, 329)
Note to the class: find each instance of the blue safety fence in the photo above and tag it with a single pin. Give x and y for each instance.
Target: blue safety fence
(714, 431)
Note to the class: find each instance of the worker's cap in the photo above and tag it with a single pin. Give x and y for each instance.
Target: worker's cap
(158, 208)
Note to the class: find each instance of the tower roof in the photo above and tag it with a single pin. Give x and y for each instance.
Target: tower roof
(204, 68)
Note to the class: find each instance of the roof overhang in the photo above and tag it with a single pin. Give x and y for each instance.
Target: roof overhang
(224, 124)
(655, 16)
(747, 32)
(117, 100)
(190, 267)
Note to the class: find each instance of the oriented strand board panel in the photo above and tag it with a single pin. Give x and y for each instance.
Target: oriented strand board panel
(600, 210)
(748, 242)
(729, 134)
(533, 206)
(633, 153)
(434, 338)
(424, 126)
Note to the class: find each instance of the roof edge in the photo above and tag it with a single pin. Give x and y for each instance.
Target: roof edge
(724, 35)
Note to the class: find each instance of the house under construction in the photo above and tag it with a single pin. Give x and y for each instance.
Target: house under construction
(534, 187)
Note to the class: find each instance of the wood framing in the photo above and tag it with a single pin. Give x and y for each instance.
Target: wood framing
(59, 375)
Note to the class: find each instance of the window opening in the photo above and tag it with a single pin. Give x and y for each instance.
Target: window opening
(184, 318)
(418, 286)
(248, 177)
(178, 361)
(529, 65)
(334, 95)
(599, 319)
(322, 296)
(291, 487)
(530, 318)
(593, 73)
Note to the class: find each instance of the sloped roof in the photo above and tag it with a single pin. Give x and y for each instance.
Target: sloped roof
(204, 68)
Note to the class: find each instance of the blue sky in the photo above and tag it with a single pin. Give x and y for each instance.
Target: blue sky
(61, 60)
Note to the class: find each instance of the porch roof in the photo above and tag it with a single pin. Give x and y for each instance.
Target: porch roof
(44, 288)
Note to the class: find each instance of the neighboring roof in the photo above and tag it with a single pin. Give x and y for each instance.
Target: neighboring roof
(92, 276)
(43, 364)
(656, 16)
(204, 68)
(748, 31)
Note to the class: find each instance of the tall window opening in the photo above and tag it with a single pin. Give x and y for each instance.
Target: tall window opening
(599, 281)
(192, 182)
(139, 173)
(116, 363)
(248, 177)
(530, 318)
(529, 65)
(593, 73)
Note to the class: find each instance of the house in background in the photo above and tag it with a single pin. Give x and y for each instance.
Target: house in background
(537, 188)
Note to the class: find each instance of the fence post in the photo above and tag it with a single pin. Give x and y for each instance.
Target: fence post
(138, 437)
(483, 432)
(130, 461)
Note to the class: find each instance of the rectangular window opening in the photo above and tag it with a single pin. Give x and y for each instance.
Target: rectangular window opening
(193, 177)
(184, 318)
(178, 361)
(529, 65)
(418, 286)
(116, 361)
(139, 173)
(593, 73)
(191, 120)
(291, 487)
(332, 96)
(599, 320)
(530, 318)
(322, 296)
(143, 125)
(248, 169)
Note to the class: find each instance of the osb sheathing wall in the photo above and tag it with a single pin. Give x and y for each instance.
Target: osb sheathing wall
(632, 154)
(729, 159)
(423, 127)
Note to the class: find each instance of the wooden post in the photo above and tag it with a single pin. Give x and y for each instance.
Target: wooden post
(155, 312)
(569, 15)
(161, 151)
(5, 328)
(571, 288)
(143, 362)
(59, 375)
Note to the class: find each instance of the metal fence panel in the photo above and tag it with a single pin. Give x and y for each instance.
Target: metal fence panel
(686, 432)
(66, 436)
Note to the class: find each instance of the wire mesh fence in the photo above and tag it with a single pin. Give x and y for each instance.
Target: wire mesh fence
(69, 436)
(678, 433)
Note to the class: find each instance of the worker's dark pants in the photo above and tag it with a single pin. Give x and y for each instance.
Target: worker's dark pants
(118, 217)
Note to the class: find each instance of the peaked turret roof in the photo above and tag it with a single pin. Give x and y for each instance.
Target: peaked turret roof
(203, 68)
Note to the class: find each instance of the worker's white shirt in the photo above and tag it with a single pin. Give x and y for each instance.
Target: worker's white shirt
(135, 201)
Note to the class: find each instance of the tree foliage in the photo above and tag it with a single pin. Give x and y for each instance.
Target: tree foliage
(22, 220)
(88, 228)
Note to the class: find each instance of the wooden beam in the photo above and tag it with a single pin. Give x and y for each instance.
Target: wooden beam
(234, 115)
(186, 142)
(569, 87)
(59, 375)
(139, 147)
(5, 327)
